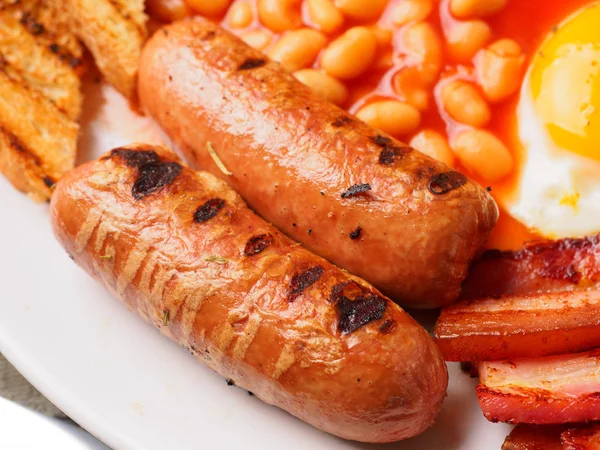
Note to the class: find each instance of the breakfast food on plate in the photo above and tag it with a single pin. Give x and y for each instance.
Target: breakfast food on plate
(564, 265)
(550, 309)
(411, 68)
(520, 325)
(298, 105)
(559, 127)
(555, 389)
(40, 99)
(49, 30)
(405, 222)
(477, 76)
(553, 437)
(41, 61)
(549, 390)
(581, 438)
(114, 31)
(535, 437)
(182, 249)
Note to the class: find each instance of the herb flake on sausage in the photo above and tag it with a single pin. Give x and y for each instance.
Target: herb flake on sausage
(356, 189)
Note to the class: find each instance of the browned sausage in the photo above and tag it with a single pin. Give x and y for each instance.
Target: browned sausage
(365, 201)
(183, 250)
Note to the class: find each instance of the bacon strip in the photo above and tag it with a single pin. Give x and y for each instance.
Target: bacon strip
(549, 390)
(520, 326)
(553, 437)
(567, 264)
(584, 438)
(534, 437)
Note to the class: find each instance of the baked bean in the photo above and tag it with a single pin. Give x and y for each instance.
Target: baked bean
(323, 85)
(258, 39)
(383, 36)
(499, 69)
(350, 55)
(466, 9)
(463, 102)
(325, 15)
(391, 116)
(384, 61)
(419, 98)
(209, 7)
(483, 153)
(423, 45)
(298, 49)
(361, 9)
(411, 11)
(408, 84)
(240, 15)
(168, 10)
(279, 15)
(433, 144)
(466, 38)
(505, 47)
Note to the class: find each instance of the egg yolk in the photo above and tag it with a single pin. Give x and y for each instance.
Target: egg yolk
(565, 83)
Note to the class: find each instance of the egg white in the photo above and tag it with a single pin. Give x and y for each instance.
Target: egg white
(558, 192)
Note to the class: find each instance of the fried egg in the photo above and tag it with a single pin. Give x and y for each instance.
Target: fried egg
(559, 129)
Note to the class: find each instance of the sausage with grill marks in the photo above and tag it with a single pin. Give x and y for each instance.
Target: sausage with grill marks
(182, 249)
(311, 169)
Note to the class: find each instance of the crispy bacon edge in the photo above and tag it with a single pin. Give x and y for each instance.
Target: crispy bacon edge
(565, 264)
(519, 326)
(581, 438)
(553, 437)
(507, 393)
(534, 437)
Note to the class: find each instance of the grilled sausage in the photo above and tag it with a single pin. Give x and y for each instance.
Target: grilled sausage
(183, 250)
(366, 202)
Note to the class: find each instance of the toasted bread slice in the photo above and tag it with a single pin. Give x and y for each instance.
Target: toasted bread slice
(40, 99)
(22, 168)
(49, 29)
(38, 141)
(39, 67)
(114, 31)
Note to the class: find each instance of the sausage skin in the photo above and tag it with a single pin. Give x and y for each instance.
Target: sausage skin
(359, 198)
(183, 250)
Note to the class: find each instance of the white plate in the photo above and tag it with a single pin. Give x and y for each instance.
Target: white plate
(23, 429)
(117, 376)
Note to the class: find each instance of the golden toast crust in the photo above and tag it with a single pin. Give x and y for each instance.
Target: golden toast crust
(40, 97)
(114, 31)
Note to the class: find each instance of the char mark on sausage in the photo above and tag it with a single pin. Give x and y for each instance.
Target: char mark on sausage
(387, 327)
(341, 121)
(257, 244)
(355, 234)
(353, 314)
(381, 141)
(154, 176)
(252, 63)
(303, 280)
(135, 158)
(443, 183)
(209, 210)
